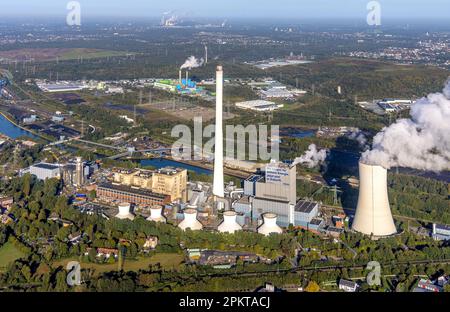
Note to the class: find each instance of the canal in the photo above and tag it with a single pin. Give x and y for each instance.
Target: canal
(159, 163)
(12, 131)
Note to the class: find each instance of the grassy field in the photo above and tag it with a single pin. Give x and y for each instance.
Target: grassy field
(166, 260)
(74, 54)
(9, 253)
(63, 54)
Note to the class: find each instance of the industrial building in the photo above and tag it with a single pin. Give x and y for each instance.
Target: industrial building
(167, 181)
(259, 105)
(71, 173)
(441, 232)
(305, 212)
(277, 93)
(45, 171)
(250, 184)
(172, 182)
(261, 206)
(61, 86)
(276, 192)
(112, 192)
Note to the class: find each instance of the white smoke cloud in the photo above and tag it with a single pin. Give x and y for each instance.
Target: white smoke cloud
(312, 157)
(422, 142)
(360, 137)
(192, 62)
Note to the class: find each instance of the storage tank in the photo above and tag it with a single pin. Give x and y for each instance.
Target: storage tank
(125, 212)
(156, 215)
(190, 221)
(229, 224)
(270, 225)
(373, 214)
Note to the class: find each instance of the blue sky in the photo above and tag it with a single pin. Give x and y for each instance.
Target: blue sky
(404, 9)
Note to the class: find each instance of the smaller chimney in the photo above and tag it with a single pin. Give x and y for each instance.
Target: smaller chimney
(180, 79)
(156, 215)
(270, 225)
(125, 212)
(229, 224)
(190, 221)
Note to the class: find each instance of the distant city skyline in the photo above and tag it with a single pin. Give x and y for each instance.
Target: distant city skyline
(402, 9)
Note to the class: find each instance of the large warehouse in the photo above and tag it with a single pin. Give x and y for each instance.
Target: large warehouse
(259, 105)
(46, 171)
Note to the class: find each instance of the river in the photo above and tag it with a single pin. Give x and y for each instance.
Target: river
(159, 163)
(12, 131)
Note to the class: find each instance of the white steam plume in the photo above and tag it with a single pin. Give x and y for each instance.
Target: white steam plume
(359, 137)
(422, 142)
(192, 62)
(312, 157)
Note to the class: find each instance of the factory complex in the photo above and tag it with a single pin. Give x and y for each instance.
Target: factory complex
(266, 202)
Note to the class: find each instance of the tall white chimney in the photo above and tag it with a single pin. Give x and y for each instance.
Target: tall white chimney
(218, 188)
(373, 214)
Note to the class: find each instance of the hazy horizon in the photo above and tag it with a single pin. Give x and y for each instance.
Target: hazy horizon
(288, 9)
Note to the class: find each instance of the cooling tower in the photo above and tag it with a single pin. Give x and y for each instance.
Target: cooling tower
(190, 221)
(229, 224)
(270, 225)
(373, 214)
(156, 215)
(218, 187)
(125, 212)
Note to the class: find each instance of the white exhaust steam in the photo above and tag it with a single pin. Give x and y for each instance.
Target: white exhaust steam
(192, 62)
(422, 142)
(312, 157)
(360, 138)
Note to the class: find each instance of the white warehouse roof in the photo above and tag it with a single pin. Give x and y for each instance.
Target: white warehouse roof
(259, 105)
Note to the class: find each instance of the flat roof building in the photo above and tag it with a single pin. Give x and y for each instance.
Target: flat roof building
(259, 105)
(46, 171)
(112, 192)
(305, 212)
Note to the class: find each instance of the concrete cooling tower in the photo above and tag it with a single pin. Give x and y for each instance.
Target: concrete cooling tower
(373, 214)
(156, 215)
(125, 212)
(270, 225)
(229, 224)
(190, 221)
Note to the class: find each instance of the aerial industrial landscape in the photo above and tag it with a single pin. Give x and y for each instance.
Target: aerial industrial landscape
(185, 154)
